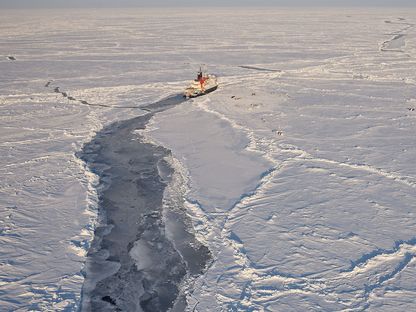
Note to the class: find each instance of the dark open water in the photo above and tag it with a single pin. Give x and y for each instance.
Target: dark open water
(130, 214)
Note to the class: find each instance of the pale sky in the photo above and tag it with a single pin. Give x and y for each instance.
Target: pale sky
(179, 3)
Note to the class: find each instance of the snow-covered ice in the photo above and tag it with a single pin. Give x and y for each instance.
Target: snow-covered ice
(298, 171)
(330, 223)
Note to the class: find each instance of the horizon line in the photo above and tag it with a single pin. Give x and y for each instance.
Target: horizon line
(259, 6)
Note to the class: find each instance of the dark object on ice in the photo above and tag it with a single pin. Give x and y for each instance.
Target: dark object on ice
(56, 90)
(11, 58)
(278, 132)
(412, 109)
(109, 300)
(261, 69)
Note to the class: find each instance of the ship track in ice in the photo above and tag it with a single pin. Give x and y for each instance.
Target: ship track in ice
(132, 265)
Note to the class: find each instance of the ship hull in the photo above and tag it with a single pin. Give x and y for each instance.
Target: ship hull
(209, 90)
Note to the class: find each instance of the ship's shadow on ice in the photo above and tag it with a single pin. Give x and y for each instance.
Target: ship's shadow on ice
(164, 104)
(132, 264)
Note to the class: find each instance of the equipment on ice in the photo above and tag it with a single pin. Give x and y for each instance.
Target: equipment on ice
(203, 84)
